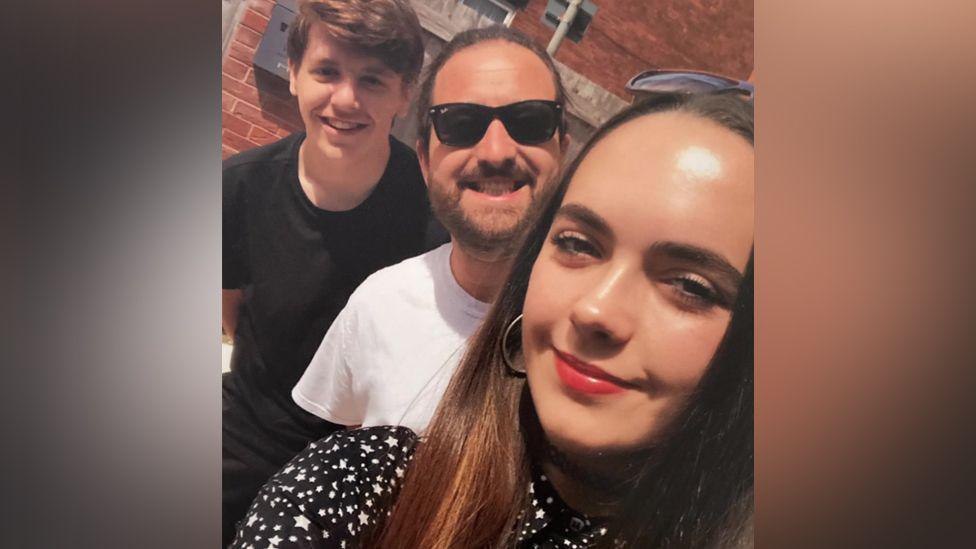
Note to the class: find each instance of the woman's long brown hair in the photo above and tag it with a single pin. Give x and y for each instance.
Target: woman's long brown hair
(469, 478)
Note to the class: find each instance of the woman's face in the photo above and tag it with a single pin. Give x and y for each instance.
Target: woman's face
(631, 292)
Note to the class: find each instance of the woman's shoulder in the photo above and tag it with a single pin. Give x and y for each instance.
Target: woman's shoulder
(365, 452)
(332, 491)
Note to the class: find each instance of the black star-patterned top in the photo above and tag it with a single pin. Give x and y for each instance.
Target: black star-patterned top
(337, 487)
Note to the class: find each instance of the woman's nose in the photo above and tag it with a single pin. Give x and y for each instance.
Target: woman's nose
(605, 312)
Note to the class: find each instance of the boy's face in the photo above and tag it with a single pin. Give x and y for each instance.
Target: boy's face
(347, 100)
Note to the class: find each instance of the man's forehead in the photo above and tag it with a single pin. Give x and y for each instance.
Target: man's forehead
(493, 73)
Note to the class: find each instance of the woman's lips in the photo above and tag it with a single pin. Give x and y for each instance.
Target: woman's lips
(587, 378)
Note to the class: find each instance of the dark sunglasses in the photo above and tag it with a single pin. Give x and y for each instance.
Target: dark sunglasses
(527, 122)
(670, 81)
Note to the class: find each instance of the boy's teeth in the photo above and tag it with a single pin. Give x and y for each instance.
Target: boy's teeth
(342, 125)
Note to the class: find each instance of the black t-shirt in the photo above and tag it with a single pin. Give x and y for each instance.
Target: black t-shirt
(297, 265)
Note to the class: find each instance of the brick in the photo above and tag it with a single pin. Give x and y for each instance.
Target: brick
(247, 36)
(241, 52)
(258, 117)
(263, 7)
(235, 69)
(285, 111)
(226, 152)
(254, 20)
(235, 124)
(260, 136)
(227, 101)
(237, 142)
(241, 91)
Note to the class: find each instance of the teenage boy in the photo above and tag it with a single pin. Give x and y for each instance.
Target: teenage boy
(491, 142)
(307, 219)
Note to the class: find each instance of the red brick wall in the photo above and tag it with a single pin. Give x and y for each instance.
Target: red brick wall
(255, 110)
(628, 36)
(625, 37)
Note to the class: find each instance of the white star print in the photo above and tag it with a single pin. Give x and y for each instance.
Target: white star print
(366, 448)
(301, 522)
(274, 541)
(391, 442)
(540, 514)
(251, 519)
(377, 488)
(363, 518)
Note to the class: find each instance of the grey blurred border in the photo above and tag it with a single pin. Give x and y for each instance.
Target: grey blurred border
(110, 233)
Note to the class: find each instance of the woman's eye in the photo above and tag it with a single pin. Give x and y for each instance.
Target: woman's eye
(326, 72)
(694, 291)
(575, 244)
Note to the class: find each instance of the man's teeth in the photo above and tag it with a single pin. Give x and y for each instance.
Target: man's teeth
(495, 188)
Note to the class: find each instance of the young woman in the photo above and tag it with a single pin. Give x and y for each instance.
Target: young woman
(607, 400)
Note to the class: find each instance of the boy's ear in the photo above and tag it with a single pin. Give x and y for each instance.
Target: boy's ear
(405, 97)
(422, 159)
(291, 78)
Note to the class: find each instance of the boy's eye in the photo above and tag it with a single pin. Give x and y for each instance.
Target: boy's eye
(575, 244)
(371, 81)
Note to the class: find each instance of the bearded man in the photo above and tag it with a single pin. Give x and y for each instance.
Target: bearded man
(491, 141)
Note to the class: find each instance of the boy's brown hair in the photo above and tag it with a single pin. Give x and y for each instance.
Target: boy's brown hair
(385, 29)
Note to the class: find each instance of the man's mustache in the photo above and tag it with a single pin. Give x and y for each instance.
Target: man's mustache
(504, 171)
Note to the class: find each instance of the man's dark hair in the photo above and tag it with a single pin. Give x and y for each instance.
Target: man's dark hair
(385, 29)
(465, 40)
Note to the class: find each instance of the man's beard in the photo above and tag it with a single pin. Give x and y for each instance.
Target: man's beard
(491, 229)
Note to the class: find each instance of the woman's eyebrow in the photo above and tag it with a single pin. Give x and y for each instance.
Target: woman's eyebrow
(585, 216)
(707, 259)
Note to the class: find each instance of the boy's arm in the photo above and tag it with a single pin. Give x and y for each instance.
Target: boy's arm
(230, 310)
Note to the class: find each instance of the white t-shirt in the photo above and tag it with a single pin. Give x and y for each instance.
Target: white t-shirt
(390, 353)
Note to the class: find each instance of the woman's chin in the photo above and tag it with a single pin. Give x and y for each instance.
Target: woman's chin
(592, 446)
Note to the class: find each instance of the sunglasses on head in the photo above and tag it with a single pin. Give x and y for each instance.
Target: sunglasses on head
(527, 122)
(669, 81)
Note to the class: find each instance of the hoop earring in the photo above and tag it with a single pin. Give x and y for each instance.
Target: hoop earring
(506, 353)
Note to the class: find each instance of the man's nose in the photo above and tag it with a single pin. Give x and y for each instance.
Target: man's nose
(496, 147)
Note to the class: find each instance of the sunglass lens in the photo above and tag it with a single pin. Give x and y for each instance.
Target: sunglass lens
(530, 123)
(461, 125)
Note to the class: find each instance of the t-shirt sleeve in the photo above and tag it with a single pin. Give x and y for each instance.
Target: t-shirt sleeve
(330, 493)
(234, 267)
(332, 385)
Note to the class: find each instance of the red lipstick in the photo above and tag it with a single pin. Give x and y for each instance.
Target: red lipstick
(587, 378)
